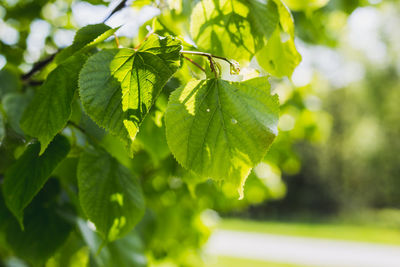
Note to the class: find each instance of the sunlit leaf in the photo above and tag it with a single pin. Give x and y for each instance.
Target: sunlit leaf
(280, 56)
(305, 5)
(234, 29)
(109, 194)
(222, 129)
(86, 37)
(118, 87)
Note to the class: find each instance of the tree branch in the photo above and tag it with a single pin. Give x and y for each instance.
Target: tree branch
(120, 6)
(38, 66)
(194, 63)
(235, 68)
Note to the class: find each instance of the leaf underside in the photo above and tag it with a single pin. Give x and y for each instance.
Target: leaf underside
(110, 196)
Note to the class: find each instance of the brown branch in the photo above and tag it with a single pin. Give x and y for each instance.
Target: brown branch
(194, 63)
(120, 6)
(38, 66)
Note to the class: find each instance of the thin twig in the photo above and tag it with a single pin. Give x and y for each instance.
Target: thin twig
(82, 130)
(34, 83)
(38, 66)
(116, 40)
(232, 63)
(120, 6)
(194, 63)
(145, 38)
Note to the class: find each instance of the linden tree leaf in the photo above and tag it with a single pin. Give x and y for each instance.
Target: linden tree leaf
(306, 5)
(48, 112)
(119, 86)
(222, 129)
(125, 252)
(46, 229)
(233, 28)
(109, 194)
(280, 56)
(24, 179)
(86, 37)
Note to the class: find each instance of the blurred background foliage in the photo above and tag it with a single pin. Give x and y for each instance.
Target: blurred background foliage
(337, 152)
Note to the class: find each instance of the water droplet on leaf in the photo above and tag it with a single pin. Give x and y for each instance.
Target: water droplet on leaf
(233, 121)
(208, 110)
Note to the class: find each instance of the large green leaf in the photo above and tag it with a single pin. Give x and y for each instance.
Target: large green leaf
(45, 228)
(24, 179)
(50, 108)
(233, 28)
(222, 129)
(110, 196)
(118, 87)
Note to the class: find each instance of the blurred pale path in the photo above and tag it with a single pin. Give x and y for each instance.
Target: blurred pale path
(300, 250)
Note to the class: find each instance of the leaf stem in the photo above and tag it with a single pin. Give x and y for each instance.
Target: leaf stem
(194, 63)
(120, 6)
(82, 130)
(116, 40)
(144, 39)
(233, 64)
(38, 66)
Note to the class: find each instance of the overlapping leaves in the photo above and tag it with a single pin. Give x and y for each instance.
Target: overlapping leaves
(241, 29)
(50, 109)
(234, 28)
(119, 86)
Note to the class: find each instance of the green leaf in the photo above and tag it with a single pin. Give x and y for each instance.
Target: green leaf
(279, 57)
(45, 231)
(222, 129)
(24, 179)
(125, 252)
(50, 108)
(118, 87)
(233, 28)
(285, 17)
(86, 37)
(9, 81)
(14, 105)
(110, 196)
(306, 5)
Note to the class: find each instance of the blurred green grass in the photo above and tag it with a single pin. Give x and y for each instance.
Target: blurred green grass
(338, 231)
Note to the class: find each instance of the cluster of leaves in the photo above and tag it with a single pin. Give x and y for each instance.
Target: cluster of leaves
(76, 172)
